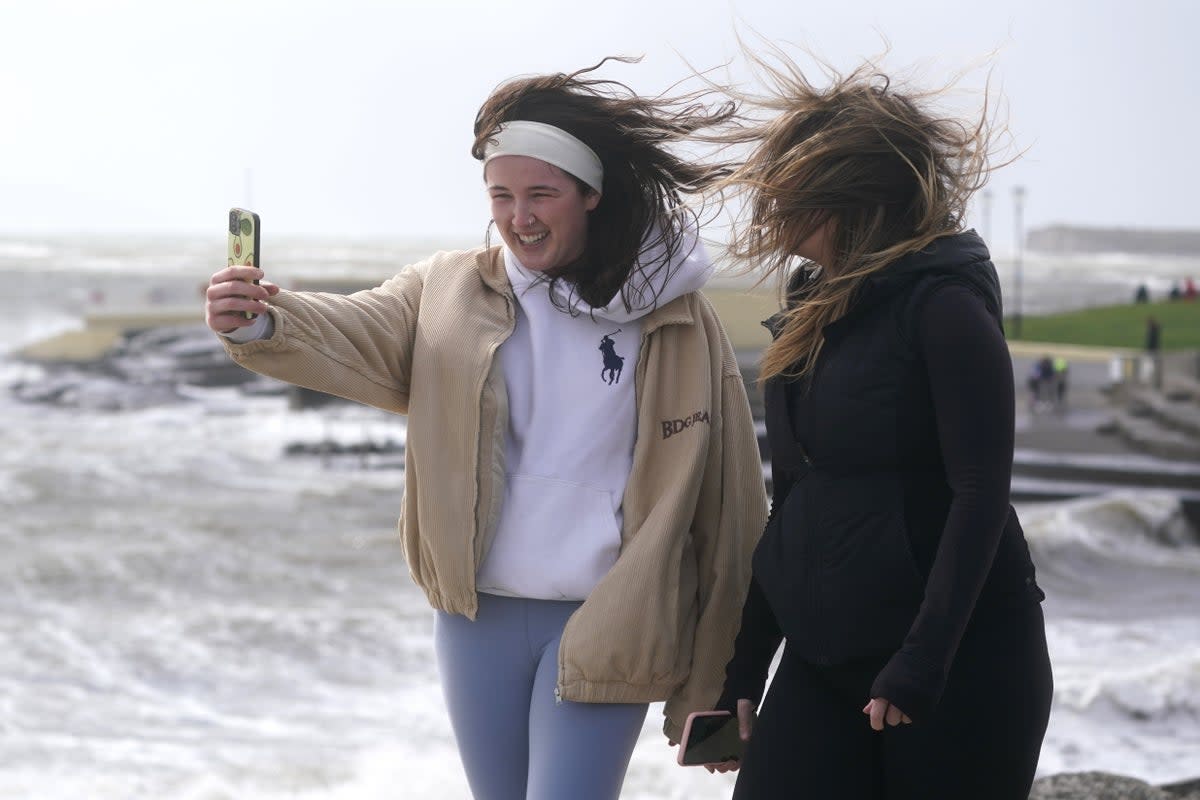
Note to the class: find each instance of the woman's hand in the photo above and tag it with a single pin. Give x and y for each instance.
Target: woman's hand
(231, 292)
(746, 717)
(881, 711)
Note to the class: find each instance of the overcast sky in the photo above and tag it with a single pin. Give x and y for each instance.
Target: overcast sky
(354, 118)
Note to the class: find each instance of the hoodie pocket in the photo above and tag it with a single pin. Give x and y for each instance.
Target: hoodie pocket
(555, 541)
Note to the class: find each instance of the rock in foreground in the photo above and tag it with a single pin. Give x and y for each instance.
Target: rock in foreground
(1105, 786)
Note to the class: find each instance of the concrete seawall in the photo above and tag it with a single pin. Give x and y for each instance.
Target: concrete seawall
(102, 332)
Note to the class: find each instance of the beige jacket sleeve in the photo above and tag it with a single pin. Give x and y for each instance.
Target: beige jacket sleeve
(730, 515)
(356, 346)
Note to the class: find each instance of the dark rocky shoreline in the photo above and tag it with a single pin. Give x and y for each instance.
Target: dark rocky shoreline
(1106, 786)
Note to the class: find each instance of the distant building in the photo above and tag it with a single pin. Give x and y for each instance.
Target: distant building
(1076, 239)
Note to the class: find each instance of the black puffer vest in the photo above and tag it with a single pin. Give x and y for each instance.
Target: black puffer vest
(846, 554)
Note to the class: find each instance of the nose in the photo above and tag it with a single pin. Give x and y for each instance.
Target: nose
(522, 216)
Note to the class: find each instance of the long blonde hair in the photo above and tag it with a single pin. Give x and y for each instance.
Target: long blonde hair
(862, 158)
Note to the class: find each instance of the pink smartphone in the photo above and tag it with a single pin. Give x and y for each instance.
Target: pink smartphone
(710, 737)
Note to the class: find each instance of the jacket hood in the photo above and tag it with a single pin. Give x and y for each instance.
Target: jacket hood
(961, 256)
(688, 271)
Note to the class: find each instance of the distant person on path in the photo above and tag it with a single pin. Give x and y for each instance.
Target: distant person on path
(1046, 373)
(1189, 289)
(1041, 383)
(1153, 336)
(582, 562)
(1033, 383)
(893, 566)
(1153, 351)
(1061, 377)
(1142, 295)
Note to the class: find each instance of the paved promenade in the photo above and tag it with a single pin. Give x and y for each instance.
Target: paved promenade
(1072, 429)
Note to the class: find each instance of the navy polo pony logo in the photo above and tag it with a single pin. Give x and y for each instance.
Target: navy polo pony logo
(613, 363)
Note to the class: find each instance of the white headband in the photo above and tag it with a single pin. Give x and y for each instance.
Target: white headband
(550, 144)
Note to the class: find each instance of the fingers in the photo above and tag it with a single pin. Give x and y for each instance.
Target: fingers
(240, 281)
(882, 712)
(876, 709)
(240, 290)
(224, 313)
(230, 294)
(236, 272)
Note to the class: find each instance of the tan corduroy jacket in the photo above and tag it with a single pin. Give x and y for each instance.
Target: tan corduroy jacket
(660, 625)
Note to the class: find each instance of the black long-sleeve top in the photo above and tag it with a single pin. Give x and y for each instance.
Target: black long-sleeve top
(970, 387)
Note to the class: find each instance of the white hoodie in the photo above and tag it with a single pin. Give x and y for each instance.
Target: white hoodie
(572, 426)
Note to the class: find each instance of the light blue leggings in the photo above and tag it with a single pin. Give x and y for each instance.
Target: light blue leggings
(516, 741)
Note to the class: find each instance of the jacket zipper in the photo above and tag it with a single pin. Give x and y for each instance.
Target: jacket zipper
(487, 370)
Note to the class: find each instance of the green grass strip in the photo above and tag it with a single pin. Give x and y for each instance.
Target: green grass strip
(1115, 326)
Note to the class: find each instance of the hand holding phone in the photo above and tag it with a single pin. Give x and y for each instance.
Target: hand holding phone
(230, 301)
(244, 242)
(711, 738)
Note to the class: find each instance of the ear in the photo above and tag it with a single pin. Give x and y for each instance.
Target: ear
(591, 200)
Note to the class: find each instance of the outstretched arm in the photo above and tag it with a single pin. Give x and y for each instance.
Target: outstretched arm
(356, 346)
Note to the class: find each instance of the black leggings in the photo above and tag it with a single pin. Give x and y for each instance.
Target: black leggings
(980, 743)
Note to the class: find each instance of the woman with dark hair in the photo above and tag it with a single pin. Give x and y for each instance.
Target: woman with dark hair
(582, 563)
(892, 564)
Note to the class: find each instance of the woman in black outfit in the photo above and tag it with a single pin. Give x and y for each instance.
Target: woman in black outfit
(893, 565)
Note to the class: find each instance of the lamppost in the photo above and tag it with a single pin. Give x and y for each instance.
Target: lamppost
(1018, 202)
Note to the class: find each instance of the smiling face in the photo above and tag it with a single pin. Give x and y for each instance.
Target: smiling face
(540, 211)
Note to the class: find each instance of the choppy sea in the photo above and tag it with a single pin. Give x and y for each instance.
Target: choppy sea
(188, 612)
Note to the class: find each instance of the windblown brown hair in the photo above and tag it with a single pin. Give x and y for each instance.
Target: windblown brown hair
(868, 157)
(641, 205)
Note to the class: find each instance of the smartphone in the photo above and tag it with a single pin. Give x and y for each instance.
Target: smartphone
(710, 737)
(244, 242)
